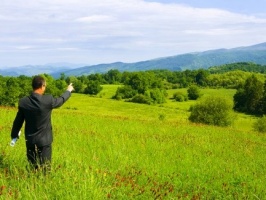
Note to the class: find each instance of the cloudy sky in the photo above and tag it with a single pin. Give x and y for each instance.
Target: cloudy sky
(105, 31)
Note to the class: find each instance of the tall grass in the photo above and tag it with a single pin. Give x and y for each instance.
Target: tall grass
(105, 148)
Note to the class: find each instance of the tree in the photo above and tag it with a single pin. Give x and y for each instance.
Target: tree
(249, 99)
(254, 91)
(93, 87)
(126, 77)
(96, 77)
(201, 77)
(61, 84)
(10, 93)
(78, 85)
(25, 85)
(62, 76)
(193, 92)
(113, 76)
(264, 99)
(139, 82)
(240, 100)
(51, 86)
(142, 87)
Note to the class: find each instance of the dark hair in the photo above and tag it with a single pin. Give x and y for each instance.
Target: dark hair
(37, 82)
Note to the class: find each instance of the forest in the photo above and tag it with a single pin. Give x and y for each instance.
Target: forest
(150, 87)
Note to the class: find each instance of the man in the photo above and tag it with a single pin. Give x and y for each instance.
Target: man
(36, 111)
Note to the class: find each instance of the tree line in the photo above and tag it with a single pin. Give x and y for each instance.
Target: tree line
(151, 86)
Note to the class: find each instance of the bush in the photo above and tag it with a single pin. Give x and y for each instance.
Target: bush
(156, 95)
(179, 96)
(260, 125)
(162, 117)
(140, 98)
(213, 111)
(193, 92)
(124, 92)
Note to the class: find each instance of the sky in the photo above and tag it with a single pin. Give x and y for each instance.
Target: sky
(38, 32)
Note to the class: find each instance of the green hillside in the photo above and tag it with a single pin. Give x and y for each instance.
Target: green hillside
(191, 61)
(108, 149)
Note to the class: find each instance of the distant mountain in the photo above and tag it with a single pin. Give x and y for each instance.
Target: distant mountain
(255, 53)
(30, 70)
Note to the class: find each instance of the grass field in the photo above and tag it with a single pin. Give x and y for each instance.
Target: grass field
(108, 149)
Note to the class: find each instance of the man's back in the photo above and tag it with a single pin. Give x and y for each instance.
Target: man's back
(36, 110)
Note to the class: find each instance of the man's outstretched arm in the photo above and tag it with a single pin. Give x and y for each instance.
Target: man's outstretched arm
(57, 102)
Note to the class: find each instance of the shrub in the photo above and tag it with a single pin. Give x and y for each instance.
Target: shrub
(156, 95)
(213, 111)
(193, 92)
(124, 92)
(179, 96)
(140, 98)
(162, 117)
(260, 125)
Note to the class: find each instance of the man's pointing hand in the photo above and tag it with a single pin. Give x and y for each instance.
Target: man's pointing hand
(70, 88)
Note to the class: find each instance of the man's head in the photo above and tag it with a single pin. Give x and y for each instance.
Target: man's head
(38, 84)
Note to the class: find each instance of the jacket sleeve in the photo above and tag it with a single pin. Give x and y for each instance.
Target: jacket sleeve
(57, 102)
(17, 124)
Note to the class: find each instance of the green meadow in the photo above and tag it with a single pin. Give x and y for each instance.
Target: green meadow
(109, 149)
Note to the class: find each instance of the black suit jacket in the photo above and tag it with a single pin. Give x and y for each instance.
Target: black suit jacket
(36, 111)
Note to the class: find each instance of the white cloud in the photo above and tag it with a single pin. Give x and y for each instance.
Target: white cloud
(24, 47)
(128, 30)
(96, 18)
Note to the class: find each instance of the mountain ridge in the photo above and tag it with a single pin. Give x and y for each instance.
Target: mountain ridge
(189, 61)
(195, 60)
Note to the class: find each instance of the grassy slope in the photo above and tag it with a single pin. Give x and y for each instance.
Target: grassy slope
(106, 148)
